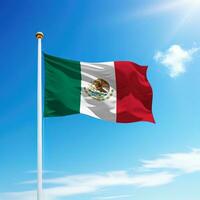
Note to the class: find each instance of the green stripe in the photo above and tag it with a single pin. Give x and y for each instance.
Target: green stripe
(62, 86)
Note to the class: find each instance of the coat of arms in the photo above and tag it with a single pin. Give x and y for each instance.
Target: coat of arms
(99, 89)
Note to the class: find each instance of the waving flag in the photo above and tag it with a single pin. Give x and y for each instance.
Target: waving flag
(115, 91)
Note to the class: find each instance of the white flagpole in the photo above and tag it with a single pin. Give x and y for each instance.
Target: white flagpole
(39, 36)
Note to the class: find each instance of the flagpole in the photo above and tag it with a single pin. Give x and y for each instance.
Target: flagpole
(39, 36)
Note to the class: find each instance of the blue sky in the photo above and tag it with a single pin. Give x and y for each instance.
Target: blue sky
(85, 158)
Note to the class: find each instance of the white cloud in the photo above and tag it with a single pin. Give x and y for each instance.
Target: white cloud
(163, 7)
(154, 173)
(175, 59)
(114, 178)
(185, 162)
(182, 10)
(167, 6)
(110, 179)
(89, 183)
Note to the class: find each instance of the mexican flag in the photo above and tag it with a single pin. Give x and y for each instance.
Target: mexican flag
(115, 91)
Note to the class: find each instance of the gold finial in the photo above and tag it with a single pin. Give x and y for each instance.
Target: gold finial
(39, 35)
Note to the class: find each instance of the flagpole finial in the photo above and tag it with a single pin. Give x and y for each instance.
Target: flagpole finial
(39, 35)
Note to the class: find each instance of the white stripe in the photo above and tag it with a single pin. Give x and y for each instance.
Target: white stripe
(104, 109)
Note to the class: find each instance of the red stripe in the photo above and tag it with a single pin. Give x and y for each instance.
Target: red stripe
(134, 93)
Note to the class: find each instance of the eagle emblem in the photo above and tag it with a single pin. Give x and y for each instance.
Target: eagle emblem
(99, 89)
